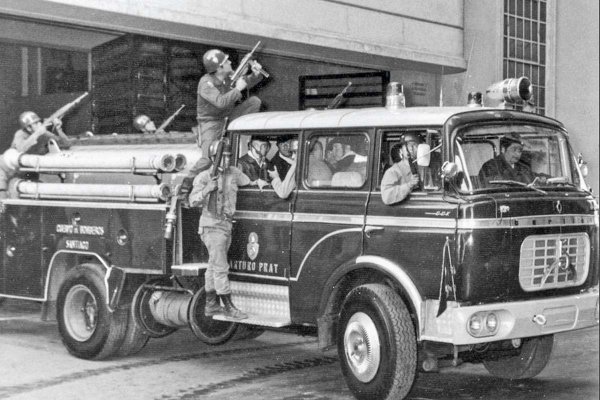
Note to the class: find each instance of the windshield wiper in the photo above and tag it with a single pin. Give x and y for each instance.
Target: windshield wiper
(517, 183)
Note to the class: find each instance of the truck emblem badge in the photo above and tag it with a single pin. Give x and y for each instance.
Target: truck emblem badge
(539, 319)
(558, 207)
(252, 247)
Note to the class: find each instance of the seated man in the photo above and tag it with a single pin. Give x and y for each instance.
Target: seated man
(507, 165)
(284, 157)
(318, 170)
(284, 185)
(341, 154)
(254, 163)
(398, 180)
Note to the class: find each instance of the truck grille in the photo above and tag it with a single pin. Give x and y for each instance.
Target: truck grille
(554, 261)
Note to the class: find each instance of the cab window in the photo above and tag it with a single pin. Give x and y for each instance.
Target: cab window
(430, 174)
(337, 160)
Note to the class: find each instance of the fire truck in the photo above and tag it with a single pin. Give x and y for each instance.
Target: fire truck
(461, 270)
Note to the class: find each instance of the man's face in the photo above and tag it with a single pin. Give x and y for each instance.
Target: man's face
(260, 147)
(411, 148)
(226, 66)
(293, 148)
(285, 148)
(513, 152)
(338, 151)
(33, 127)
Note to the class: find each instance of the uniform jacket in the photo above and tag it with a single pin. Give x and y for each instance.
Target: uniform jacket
(252, 169)
(394, 184)
(216, 98)
(499, 169)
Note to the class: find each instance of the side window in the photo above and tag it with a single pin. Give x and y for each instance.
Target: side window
(337, 160)
(392, 153)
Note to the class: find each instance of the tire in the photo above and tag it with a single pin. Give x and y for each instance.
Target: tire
(207, 329)
(88, 329)
(135, 336)
(377, 346)
(535, 354)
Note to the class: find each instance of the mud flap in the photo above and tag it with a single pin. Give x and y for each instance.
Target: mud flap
(115, 279)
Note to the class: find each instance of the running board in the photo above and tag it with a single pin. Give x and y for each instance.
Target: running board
(266, 305)
(189, 269)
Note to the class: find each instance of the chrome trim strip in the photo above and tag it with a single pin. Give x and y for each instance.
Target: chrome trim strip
(89, 204)
(10, 296)
(264, 277)
(418, 222)
(142, 271)
(284, 216)
(295, 278)
(527, 222)
(343, 219)
(402, 277)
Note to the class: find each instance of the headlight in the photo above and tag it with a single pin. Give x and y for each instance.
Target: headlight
(483, 323)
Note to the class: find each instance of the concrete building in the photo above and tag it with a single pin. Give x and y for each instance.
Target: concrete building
(438, 49)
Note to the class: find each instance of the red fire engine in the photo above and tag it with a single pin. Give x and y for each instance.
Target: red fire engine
(460, 271)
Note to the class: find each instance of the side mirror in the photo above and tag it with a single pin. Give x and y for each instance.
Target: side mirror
(449, 170)
(423, 155)
(583, 167)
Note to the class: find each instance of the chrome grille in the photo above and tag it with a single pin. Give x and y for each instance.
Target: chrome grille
(554, 261)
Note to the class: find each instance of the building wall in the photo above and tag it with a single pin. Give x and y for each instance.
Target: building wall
(576, 79)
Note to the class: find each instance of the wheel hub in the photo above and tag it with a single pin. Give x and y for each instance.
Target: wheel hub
(81, 313)
(362, 347)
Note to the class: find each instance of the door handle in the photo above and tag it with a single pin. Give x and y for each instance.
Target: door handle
(370, 230)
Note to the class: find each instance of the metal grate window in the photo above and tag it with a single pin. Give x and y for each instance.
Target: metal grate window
(525, 45)
(554, 261)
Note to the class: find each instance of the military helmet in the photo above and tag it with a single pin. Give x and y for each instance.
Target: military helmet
(140, 121)
(213, 59)
(27, 118)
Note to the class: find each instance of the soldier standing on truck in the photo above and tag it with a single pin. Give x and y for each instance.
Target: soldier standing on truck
(32, 138)
(398, 180)
(218, 195)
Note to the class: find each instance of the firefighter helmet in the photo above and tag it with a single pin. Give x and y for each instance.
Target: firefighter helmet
(213, 59)
(28, 118)
(140, 122)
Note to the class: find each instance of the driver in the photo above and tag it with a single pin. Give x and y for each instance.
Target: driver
(507, 165)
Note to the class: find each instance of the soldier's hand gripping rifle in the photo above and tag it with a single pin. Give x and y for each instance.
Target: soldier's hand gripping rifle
(246, 61)
(58, 114)
(337, 101)
(170, 119)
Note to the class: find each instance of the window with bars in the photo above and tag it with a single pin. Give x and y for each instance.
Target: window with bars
(525, 45)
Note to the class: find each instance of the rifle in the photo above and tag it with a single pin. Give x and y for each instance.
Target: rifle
(170, 119)
(58, 114)
(337, 101)
(217, 162)
(414, 168)
(247, 60)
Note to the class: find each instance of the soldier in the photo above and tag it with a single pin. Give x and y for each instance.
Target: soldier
(144, 124)
(32, 138)
(218, 195)
(398, 180)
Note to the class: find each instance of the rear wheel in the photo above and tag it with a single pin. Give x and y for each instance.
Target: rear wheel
(534, 355)
(135, 336)
(88, 328)
(207, 329)
(377, 345)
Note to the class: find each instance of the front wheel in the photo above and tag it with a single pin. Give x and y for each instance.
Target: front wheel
(534, 355)
(377, 345)
(89, 329)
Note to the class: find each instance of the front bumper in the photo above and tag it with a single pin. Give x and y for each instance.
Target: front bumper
(517, 319)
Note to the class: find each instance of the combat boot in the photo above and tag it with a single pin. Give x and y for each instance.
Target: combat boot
(231, 311)
(212, 306)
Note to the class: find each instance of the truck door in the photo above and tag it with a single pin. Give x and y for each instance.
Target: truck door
(260, 250)
(329, 212)
(22, 273)
(411, 232)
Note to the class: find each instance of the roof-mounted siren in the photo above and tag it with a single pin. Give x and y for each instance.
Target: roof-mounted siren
(394, 97)
(511, 92)
(475, 99)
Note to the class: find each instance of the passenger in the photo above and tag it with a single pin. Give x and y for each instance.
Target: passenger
(507, 165)
(32, 138)
(318, 170)
(398, 181)
(217, 101)
(217, 196)
(254, 163)
(283, 158)
(283, 188)
(144, 124)
(342, 154)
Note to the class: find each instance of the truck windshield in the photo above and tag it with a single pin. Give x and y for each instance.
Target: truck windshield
(515, 157)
